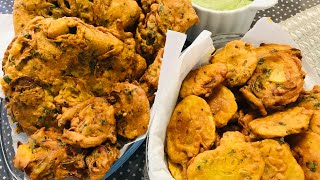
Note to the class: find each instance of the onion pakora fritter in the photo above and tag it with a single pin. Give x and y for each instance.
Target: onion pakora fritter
(241, 60)
(232, 159)
(162, 15)
(306, 146)
(277, 81)
(31, 105)
(191, 129)
(223, 105)
(45, 156)
(132, 109)
(311, 100)
(98, 13)
(290, 121)
(202, 81)
(149, 80)
(100, 160)
(279, 161)
(91, 122)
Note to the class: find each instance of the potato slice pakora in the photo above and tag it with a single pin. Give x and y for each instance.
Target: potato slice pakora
(150, 78)
(268, 49)
(311, 100)
(127, 11)
(132, 109)
(279, 161)
(223, 105)
(91, 122)
(202, 81)
(100, 160)
(277, 81)
(46, 157)
(232, 159)
(190, 130)
(31, 105)
(307, 148)
(290, 121)
(240, 59)
(162, 15)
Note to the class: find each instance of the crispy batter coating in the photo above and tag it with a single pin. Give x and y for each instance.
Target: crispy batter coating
(132, 109)
(279, 161)
(126, 11)
(223, 105)
(31, 105)
(202, 81)
(241, 60)
(176, 170)
(100, 160)
(268, 49)
(45, 156)
(290, 121)
(150, 78)
(232, 159)
(311, 100)
(277, 81)
(307, 148)
(190, 130)
(91, 122)
(162, 15)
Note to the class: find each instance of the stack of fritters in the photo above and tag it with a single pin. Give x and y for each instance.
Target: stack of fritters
(76, 79)
(246, 116)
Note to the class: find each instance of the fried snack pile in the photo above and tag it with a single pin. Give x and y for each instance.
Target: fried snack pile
(246, 116)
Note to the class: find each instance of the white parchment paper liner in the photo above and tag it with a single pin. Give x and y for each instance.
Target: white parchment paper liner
(265, 31)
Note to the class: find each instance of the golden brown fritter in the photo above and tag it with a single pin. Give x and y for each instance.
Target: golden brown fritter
(190, 130)
(241, 60)
(232, 159)
(72, 92)
(100, 160)
(162, 15)
(311, 100)
(150, 78)
(307, 148)
(91, 122)
(45, 156)
(95, 12)
(30, 104)
(269, 49)
(290, 121)
(132, 109)
(279, 161)
(176, 170)
(223, 105)
(202, 81)
(277, 81)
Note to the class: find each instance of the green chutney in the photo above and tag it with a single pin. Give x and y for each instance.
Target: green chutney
(222, 4)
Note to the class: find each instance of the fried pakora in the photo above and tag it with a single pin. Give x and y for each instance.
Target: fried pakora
(31, 105)
(176, 170)
(290, 121)
(307, 148)
(241, 60)
(90, 123)
(132, 109)
(232, 159)
(100, 160)
(45, 156)
(223, 105)
(150, 78)
(269, 49)
(311, 100)
(277, 81)
(191, 129)
(202, 81)
(126, 11)
(162, 15)
(279, 161)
